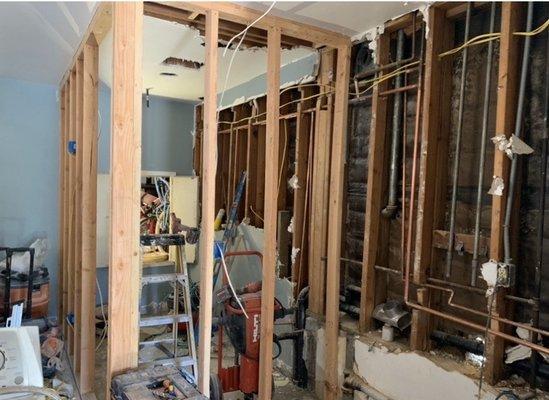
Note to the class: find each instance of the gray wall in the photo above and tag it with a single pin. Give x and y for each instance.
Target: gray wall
(29, 169)
(167, 142)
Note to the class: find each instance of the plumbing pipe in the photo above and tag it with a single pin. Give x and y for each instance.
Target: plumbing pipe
(472, 346)
(541, 220)
(417, 125)
(354, 382)
(455, 173)
(484, 134)
(518, 132)
(391, 208)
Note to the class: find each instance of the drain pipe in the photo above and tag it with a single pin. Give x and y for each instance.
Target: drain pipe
(391, 208)
(541, 221)
(354, 382)
(484, 134)
(518, 133)
(455, 174)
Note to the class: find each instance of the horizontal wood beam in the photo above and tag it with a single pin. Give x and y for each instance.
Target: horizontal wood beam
(244, 15)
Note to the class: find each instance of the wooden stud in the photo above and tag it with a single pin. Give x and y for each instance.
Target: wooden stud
(66, 184)
(62, 189)
(209, 167)
(332, 389)
(270, 224)
(78, 213)
(374, 196)
(320, 183)
(261, 157)
(124, 262)
(89, 213)
(71, 215)
(432, 188)
(512, 15)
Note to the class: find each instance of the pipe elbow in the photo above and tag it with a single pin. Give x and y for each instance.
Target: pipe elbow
(389, 211)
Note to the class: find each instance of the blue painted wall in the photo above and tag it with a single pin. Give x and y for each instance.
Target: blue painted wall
(167, 142)
(29, 168)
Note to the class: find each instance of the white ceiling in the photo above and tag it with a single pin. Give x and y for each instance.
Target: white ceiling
(162, 39)
(38, 40)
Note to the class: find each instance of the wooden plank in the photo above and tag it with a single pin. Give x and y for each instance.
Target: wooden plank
(78, 212)
(270, 224)
(374, 193)
(512, 17)
(65, 160)
(71, 214)
(62, 189)
(320, 184)
(464, 240)
(434, 143)
(124, 262)
(260, 179)
(244, 15)
(332, 388)
(301, 193)
(89, 213)
(251, 167)
(209, 167)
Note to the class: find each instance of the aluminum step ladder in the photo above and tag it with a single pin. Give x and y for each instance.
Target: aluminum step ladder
(179, 280)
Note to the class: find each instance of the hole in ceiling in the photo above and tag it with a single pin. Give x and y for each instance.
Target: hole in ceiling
(168, 74)
(179, 62)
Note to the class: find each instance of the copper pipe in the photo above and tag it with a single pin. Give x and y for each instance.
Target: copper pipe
(483, 314)
(399, 90)
(477, 327)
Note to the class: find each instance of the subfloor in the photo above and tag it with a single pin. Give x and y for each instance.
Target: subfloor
(284, 388)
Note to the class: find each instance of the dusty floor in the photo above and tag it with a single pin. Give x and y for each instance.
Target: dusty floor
(284, 388)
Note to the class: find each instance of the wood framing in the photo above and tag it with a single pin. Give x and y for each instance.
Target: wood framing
(271, 209)
(238, 13)
(512, 14)
(124, 262)
(320, 183)
(374, 192)
(432, 174)
(332, 388)
(71, 220)
(88, 148)
(209, 168)
(62, 189)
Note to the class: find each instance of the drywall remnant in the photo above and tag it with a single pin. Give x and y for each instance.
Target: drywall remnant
(424, 10)
(490, 272)
(294, 182)
(496, 189)
(410, 375)
(513, 145)
(295, 252)
(291, 225)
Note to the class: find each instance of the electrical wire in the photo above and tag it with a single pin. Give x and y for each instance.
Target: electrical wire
(488, 37)
(243, 33)
(32, 390)
(229, 280)
(104, 333)
(283, 158)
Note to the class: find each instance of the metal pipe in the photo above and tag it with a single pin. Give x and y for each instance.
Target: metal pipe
(484, 134)
(455, 174)
(469, 345)
(417, 125)
(541, 220)
(391, 208)
(517, 132)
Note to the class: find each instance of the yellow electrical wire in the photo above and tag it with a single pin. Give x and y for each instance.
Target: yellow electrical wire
(488, 37)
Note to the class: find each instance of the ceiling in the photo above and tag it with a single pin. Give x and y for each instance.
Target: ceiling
(162, 39)
(48, 33)
(38, 39)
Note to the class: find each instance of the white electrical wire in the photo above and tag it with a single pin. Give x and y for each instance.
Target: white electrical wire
(243, 33)
(229, 280)
(32, 390)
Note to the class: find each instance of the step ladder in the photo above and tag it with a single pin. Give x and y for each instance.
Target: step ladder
(179, 280)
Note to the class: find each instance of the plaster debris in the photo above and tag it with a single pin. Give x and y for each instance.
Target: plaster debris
(516, 353)
(496, 189)
(490, 273)
(294, 182)
(291, 226)
(424, 10)
(474, 359)
(513, 145)
(295, 252)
